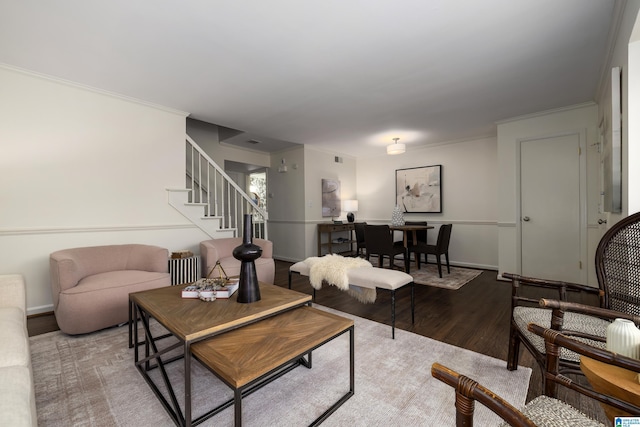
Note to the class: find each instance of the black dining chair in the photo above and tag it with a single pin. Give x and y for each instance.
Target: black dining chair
(379, 241)
(361, 246)
(440, 248)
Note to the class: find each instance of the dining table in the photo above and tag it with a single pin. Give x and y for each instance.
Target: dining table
(410, 228)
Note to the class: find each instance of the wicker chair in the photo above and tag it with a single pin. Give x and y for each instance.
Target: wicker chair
(545, 410)
(618, 272)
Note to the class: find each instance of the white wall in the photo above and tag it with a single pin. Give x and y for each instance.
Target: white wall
(582, 118)
(295, 198)
(321, 165)
(81, 167)
(285, 194)
(468, 195)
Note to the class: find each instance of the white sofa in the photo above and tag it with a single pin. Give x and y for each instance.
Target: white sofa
(17, 394)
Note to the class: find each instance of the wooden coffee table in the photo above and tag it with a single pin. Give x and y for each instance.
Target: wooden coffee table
(281, 342)
(190, 321)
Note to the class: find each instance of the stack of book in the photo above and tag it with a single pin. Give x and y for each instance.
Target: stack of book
(209, 291)
(228, 290)
(181, 254)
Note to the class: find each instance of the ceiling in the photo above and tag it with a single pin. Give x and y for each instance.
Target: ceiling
(346, 75)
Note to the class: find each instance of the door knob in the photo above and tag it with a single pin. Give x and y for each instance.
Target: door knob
(526, 218)
(602, 221)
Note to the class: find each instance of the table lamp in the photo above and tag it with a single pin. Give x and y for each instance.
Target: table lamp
(350, 206)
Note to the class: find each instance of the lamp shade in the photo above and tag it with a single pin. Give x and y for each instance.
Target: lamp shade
(350, 206)
(395, 148)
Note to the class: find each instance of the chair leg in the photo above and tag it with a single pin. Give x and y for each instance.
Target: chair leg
(413, 304)
(446, 254)
(393, 314)
(439, 265)
(514, 349)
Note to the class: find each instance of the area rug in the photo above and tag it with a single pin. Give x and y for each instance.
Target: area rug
(91, 380)
(428, 275)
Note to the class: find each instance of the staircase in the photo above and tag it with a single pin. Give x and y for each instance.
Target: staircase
(212, 200)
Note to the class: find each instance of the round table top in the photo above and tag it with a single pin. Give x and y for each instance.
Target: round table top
(612, 380)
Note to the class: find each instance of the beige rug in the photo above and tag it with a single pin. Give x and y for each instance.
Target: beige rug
(91, 381)
(428, 275)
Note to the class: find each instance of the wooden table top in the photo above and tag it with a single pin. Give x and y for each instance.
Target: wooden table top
(411, 227)
(247, 353)
(191, 319)
(611, 380)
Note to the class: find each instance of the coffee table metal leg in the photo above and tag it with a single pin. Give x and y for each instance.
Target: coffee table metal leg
(144, 366)
(238, 407)
(187, 384)
(351, 391)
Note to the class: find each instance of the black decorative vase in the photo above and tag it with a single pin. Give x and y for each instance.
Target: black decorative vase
(247, 253)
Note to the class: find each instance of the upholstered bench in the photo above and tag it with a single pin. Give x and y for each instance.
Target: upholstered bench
(372, 278)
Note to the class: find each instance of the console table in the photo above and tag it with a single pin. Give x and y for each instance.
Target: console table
(327, 246)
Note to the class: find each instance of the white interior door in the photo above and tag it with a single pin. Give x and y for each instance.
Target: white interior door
(550, 215)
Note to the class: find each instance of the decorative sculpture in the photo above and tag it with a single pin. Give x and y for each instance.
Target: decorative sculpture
(247, 253)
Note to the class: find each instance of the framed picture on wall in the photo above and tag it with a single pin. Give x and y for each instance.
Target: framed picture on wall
(331, 205)
(419, 189)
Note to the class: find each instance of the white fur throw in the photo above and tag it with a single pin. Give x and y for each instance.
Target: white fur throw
(333, 269)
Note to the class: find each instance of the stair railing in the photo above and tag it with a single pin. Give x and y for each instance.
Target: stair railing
(219, 195)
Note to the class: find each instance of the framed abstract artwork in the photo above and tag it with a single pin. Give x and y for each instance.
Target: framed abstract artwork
(331, 198)
(419, 189)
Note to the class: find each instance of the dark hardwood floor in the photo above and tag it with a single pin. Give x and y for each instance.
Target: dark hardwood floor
(475, 317)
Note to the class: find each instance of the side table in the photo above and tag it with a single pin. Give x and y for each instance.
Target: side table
(328, 229)
(611, 380)
(184, 270)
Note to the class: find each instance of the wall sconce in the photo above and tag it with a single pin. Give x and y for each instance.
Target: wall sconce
(395, 148)
(350, 206)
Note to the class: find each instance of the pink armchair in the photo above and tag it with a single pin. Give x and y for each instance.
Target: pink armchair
(222, 250)
(91, 286)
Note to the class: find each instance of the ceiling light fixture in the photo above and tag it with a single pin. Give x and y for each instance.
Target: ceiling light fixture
(395, 148)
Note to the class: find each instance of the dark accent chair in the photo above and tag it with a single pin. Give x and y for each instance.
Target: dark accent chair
(618, 272)
(380, 242)
(545, 409)
(361, 246)
(440, 248)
